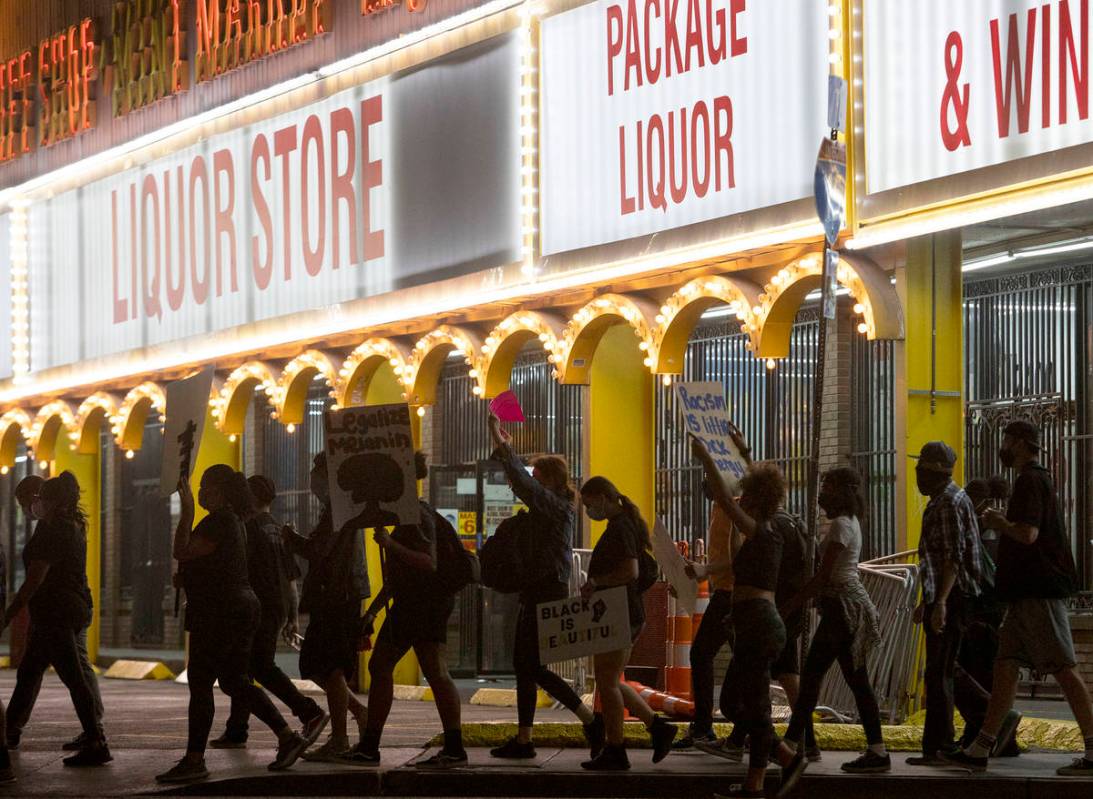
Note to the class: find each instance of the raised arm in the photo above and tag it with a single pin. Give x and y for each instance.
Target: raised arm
(720, 489)
(186, 545)
(529, 490)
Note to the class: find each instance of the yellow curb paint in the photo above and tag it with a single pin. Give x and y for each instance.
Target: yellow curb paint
(414, 693)
(506, 697)
(139, 670)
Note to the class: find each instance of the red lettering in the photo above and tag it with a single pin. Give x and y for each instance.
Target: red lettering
(224, 164)
(715, 19)
(614, 43)
(722, 141)
(739, 43)
(1014, 83)
(120, 306)
(671, 38)
(182, 234)
(150, 287)
(633, 45)
(700, 123)
(341, 183)
(263, 270)
(175, 293)
(679, 191)
(198, 172)
(371, 114)
(694, 34)
(1045, 68)
(656, 187)
(133, 305)
(1068, 61)
(284, 142)
(313, 138)
(652, 73)
(626, 203)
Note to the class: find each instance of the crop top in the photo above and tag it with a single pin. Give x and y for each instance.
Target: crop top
(757, 562)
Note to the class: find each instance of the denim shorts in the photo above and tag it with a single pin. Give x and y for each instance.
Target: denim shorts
(1036, 633)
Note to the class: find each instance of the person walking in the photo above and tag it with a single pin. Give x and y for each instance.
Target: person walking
(221, 616)
(849, 628)
(616, 561)
(334, 589)
(269, 571)
(545, 544)
(1036, 574)
(57, 594)
(949, 562)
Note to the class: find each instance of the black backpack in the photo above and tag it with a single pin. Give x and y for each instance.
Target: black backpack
(456, 566)
(501, 565)
(797, 567)
(648, 571)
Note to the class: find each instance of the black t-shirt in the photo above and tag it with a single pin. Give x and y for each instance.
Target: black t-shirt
(267, 565)
(619, 542)
(64, 597)
(407, 583)
(212, 581)
(759, 560)
(1043, 569)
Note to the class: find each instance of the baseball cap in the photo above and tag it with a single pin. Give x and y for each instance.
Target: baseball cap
(1024, 431)
(936, 456)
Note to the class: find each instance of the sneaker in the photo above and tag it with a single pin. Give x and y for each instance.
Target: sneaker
(612, 758)
(1007, 732)
(925, 760)
(13, 739)
(358, 756)
(227, 741)
(813, 754)
(314, 727)
(1080, 767)
(289, 750)
(596, 735)
(328, 752)
(76, 744)
(7, 775)
(964, 760)
(443, 760)
(869, 763)
(662, 734)
(692, 739)
(97, 754)
(722, 748)
(791, 774)
(512, 749)
(184, 771)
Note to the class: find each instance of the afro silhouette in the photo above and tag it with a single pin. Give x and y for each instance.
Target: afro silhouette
(372, 478)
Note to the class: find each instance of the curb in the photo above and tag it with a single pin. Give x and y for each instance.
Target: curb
(139, 670)
(414, 693)
(506, 697)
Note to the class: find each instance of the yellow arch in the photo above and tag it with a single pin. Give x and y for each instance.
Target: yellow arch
(680, 314)
(583, 332)
(133, 413)
(14, 425)
(291, 391)
(98, 408)
(48, 423)
(422, 372)
(363, 363)
(232, 400)
(875, 300)
(510, 336)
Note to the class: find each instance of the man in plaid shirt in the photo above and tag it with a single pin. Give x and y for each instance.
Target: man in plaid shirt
(949, 565)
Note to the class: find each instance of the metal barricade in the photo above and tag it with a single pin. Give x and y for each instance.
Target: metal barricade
(893, 584)
(577, 671)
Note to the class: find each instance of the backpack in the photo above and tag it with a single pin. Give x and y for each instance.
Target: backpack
(797, 567)
(499, 556)
(648, 571)
(456, 566)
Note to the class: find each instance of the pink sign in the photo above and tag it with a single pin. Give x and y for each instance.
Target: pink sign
(506, 407)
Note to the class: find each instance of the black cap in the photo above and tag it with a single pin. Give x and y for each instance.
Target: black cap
(1024, 431)
(936, 456)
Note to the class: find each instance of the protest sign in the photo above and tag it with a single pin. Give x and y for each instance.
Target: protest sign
(673, 565)
(706, 415)
(370, 460)
(187, 403)
(574, 627)
(506, 407)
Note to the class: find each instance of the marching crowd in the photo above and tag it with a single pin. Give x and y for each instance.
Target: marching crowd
(994, 585)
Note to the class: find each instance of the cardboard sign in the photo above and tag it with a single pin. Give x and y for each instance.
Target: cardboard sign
(829, 188)
(574, 627)
(370, 460)
(706, 415)
(673, 565)
(187, 403)
(506, 407)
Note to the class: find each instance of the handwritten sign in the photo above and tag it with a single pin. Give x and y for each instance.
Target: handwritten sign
(706, 415)
(574, 627)
(187, 401)
(673, 565)
(370, 460)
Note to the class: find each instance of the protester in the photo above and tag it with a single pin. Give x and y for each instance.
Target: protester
(1036, 574)
(334, 588)
(616, 562)
(545, 544)
(270, 573)
(221, 616)
(849, 629)
(949, 562)
(418, 608)
(57, 594)
(26, 694)
(760, 634)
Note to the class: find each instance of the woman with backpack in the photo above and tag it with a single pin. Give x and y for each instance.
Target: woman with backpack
(617, 561)
(544, 550)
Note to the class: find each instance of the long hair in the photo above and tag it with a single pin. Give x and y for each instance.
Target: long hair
(602, 487)
(847, 487)
(556, 471)
(234, 487)
(63, 492)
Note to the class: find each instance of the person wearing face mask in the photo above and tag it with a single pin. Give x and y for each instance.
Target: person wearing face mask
(59, 599)
(546, 553)
(615, 562)
(222, 614)
(1036, 574)
(949, 563)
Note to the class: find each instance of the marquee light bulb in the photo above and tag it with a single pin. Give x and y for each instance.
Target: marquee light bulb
(129, 454)
(290, 428)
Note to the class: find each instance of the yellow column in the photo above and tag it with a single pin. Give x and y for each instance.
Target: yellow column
(87, 469)
(215, 448)
(621, 420)
(931, 290)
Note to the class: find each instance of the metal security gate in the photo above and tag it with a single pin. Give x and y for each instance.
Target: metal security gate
(873, 439)
(1027, 357)
(772, 407)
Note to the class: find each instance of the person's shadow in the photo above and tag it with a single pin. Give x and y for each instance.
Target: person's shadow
(372, 478)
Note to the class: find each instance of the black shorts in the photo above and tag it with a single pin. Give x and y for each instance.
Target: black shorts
(789, 662)
(418, 621)
(330, 643)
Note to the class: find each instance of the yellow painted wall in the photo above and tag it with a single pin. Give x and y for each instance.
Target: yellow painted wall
(621, 423)
(946, 421)
(87, 469)
(215, 448)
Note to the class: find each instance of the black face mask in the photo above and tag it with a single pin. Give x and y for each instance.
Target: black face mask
(929, 482)
(1007, 457)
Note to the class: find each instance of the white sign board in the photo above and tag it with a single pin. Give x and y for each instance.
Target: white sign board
(370, 463)
(674, 567)
(574, 627)
(706, 415)
(187, 404)
(659, 115)
(951, 87)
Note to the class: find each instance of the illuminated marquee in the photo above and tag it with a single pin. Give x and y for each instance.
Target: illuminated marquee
(147, 54)
(369, 7)
(233, 33)
(66, 68)
(16, 117)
